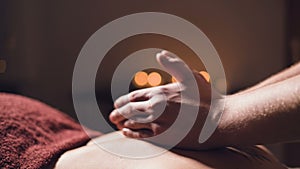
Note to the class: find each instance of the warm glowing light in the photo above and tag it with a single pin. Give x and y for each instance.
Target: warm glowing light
(141, 78)
(154, 79)
(173, 80)
(205, 75)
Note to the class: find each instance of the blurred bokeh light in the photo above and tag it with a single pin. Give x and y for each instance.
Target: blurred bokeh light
(154, 79)
(140, 78)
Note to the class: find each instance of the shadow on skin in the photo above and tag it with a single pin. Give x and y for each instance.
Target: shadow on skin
(93, 157)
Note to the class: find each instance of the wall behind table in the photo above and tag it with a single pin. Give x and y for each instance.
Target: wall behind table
(48, 35)
(249, 36)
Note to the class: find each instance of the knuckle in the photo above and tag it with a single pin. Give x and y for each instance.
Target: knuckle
(164, 89)
(154, 91)
(131, 96)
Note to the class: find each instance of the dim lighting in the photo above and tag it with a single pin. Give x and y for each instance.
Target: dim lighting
(205, 75)
(2, 66)
(141, 78)
(154, 79)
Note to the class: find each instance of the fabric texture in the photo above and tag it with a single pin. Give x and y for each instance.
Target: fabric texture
(34, 135)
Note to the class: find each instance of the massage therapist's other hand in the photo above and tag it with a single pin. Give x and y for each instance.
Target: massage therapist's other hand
(149, 112)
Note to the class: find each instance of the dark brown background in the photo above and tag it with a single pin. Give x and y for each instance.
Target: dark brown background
(40, 41)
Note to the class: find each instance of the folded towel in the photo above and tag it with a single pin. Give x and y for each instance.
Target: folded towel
(34, 135)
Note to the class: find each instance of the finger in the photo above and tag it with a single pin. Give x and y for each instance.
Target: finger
(155, 128)
(129, 110)
(131, 124)
(137, 134)
(138, 95)
(120, 125)
(174, 65)
(143, 119)
(151, 111)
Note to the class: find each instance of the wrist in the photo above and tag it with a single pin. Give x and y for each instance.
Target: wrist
(217, 122)
(223, 135)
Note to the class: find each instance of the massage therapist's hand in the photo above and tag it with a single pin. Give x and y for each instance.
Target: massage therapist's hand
(149, 112)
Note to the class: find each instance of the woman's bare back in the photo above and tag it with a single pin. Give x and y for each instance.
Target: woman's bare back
(92, 156)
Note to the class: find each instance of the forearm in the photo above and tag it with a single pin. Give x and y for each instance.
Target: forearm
(267, 115)
(283, 75)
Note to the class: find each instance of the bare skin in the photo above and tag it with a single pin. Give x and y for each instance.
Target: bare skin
(248, 116)
(290, 72)
(93, 157)
(148, 101)
(266, 113)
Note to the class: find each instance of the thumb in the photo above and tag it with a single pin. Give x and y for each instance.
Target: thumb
(174, 65)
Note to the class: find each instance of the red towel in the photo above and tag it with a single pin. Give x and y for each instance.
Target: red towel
(34, 135)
